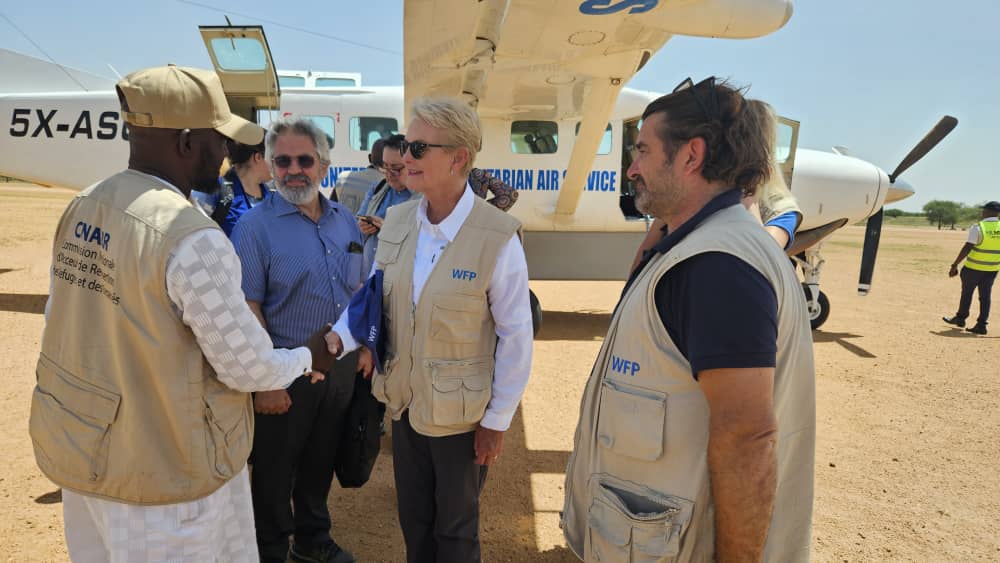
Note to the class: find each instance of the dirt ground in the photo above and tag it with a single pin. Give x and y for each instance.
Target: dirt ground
(907, 412)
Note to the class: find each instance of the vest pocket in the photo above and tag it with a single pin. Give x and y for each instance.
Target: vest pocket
(630, 522)
(457, 318)
(460, 390)
(228, 440)
(70, 425)
(631, 420)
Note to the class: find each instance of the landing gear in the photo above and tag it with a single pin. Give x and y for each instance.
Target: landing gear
(536, 313)
(812, 264)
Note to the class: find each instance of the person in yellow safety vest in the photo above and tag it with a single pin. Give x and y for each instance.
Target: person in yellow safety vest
(982, 262)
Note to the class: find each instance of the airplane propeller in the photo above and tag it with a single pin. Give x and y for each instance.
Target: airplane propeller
(873, 229)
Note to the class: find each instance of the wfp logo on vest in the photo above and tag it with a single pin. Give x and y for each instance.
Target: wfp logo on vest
(463, 275)
(623, 366)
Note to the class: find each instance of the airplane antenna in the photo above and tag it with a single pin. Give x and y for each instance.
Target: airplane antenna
(42, 51)
(293, 28)
(114, 70)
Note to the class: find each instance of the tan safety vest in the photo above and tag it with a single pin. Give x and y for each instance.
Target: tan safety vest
(637, 482)
(126, 407)
(440, 351)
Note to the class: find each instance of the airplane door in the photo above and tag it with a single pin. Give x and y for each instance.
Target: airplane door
(784, 148)
(242, 59)
(626, 197)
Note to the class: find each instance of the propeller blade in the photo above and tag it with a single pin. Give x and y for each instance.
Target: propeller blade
(940, 131)
(873, 230)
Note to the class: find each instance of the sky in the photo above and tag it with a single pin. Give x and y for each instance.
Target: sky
(870, 75)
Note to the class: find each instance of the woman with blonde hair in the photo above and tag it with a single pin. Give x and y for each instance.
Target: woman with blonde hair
(457, 334)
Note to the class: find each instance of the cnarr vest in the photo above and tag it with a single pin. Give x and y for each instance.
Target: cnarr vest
(637, 483)
(985, 256)
(126, 407)
(440, 351)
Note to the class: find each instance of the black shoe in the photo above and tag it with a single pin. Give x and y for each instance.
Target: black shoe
(954, 321)
(978, 329)
(323, 553)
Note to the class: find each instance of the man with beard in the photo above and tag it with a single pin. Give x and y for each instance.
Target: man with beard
(302, 261)
(697, 425)
(141, 410)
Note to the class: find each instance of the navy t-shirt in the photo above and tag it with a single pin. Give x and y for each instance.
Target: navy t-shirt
(719, 310)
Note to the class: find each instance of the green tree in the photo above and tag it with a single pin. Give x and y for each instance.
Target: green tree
(894, 213)
(943, 212)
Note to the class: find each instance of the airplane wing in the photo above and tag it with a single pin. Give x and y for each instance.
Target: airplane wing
(26, 74)
(558, 59)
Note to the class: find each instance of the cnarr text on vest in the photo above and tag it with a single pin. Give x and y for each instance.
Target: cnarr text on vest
(92, 233)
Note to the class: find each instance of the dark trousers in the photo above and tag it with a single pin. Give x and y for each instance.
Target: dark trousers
(971, 281)
(437, 492)
(293, 458)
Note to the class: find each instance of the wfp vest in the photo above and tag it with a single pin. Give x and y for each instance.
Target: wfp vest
(440, 352)
(126, 407)
(637, 482)
(985, 256)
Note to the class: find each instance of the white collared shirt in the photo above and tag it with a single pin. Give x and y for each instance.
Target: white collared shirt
(507, 294)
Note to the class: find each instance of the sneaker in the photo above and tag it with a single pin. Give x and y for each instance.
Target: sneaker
(954, 321)
(323, 553)
(978, 329)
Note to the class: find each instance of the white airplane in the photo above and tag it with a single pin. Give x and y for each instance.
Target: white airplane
(548, 81)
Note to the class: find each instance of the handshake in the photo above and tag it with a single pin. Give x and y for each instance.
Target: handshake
(326, 345)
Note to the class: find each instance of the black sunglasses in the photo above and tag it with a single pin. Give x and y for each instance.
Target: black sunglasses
(418, 148)
(306, 161)
(709, 108)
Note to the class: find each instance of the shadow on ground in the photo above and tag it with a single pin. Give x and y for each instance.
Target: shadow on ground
(23, 303)
(841, 338)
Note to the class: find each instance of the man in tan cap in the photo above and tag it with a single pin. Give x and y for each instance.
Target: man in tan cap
(142, 410)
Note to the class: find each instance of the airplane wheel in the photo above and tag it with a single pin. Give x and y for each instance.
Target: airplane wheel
(536, 312)
(818, 315)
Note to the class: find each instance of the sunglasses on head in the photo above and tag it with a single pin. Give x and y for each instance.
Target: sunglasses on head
(418, 148)
(710, 107)
(305, 161)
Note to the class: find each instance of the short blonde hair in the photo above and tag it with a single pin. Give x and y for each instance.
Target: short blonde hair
(458, 121)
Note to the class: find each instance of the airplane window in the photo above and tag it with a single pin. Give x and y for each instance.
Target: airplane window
(292, 81)
(325, 123)
(783, 146)
(239, 53)
(335, 82)
(534, 137)
(364, 131)
(605, 146)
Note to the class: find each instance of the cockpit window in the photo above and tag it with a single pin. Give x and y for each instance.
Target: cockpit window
(364, 131)
(534, 137)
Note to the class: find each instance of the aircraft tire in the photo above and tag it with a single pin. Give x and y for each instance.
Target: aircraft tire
(536, 313)
(817, 318)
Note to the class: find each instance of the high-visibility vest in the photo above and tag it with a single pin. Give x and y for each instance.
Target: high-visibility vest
(985, 256)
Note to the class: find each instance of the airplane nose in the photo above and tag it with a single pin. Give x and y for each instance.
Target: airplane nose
(900, 189)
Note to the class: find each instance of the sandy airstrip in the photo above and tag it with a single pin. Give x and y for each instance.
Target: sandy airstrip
(908, 421)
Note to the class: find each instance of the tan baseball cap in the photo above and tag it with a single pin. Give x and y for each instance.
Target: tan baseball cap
(174, 97)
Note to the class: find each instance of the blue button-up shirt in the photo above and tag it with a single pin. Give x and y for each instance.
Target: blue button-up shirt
(303, 273)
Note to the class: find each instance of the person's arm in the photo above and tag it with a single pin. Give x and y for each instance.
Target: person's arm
(962, 254)
(340, 341)
(742, 460)
(782, 228)
(653, 236)
(203, 282)
(510, 307)
(258, 311)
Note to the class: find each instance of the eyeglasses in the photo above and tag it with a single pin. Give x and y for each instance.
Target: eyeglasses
(394, 170)
(418, 148)
(709, 109)
(306, 161)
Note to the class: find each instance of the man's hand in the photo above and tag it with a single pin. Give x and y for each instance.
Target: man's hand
(369, 225)
(953, 271)
(271, 402)
(322, 361)
(334, 345)
(366, 362)
(488, 444)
